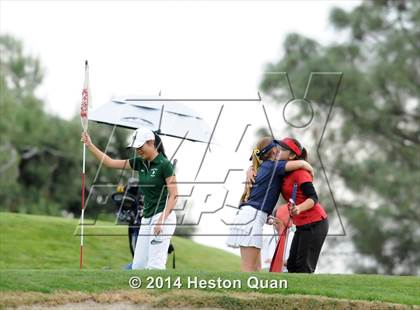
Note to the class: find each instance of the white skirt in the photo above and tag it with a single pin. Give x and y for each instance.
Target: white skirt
(247, 228)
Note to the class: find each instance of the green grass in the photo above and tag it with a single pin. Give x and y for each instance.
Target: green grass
(40, 254)
(41, 242)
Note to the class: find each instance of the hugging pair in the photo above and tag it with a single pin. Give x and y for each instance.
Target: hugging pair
(279, 166)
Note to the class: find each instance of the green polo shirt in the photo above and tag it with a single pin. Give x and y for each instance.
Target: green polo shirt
(152, 182)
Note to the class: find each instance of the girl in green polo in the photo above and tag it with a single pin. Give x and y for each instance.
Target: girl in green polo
(158, 184)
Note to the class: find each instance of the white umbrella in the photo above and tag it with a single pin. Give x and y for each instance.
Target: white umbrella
(164, 116)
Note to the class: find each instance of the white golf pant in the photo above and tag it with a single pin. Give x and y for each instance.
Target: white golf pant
(152, 251)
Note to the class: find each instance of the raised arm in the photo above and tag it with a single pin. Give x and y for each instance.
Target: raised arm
(299, 164)
(101, 156)
(290, 166)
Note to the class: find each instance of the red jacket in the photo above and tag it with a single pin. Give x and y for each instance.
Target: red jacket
(314, 214)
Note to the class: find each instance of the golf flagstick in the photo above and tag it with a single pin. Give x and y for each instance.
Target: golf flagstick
(84, 119)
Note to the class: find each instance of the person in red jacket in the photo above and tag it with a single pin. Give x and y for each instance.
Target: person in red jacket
(307, 213)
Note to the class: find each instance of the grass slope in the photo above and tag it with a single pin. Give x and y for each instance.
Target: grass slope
(39, 255)
(41, 242)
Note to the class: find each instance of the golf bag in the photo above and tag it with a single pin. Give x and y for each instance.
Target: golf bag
(283, 214)
(130, 205)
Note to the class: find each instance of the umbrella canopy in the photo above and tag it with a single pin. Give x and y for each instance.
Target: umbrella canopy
(165, 117)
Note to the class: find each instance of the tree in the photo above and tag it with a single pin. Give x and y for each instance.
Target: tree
(19, 76)
(40, 154)
(375, 145)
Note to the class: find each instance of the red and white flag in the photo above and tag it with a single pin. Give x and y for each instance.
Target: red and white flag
(86, 99)
(84, 107)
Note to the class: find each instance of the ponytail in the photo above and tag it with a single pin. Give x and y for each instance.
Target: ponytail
(304, 155)
(304, 152)
(257, 160)
(159, 145)
(256, 163)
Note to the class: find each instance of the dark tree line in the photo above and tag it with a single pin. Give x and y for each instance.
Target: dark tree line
(374, 146)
